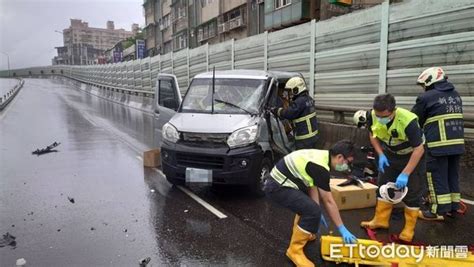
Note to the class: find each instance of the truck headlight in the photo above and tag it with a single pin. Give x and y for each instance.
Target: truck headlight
(243, 137)
(170, 133)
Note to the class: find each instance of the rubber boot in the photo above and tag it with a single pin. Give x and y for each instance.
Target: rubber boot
(411, 215)
(295, 252)
(381, 219)
(295, 224)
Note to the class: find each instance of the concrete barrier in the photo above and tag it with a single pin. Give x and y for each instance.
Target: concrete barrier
(8, 97)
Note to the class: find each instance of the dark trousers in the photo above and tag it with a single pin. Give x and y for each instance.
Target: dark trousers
(309, 143)
(416, 181)
(297, 201)
(443, 183)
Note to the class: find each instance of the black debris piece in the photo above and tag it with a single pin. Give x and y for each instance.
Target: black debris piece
(7, 240)
(144, 262)
(125, 230)
(48, 149)
(92, 229)
(59, 230)
(71, 200)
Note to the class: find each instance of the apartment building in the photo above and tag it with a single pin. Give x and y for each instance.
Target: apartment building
(84, 44)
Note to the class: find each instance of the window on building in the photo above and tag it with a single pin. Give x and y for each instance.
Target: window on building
(181, 12)
(281, 3)
(206, 2)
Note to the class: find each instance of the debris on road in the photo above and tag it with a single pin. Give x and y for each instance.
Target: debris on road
(71, 199)
(48, 149)
(144, 262)
(152, 190)
(125, 230)
(7, 240)
(20, 262)
(92, 229)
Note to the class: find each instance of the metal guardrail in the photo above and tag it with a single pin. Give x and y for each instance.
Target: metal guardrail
(8, 97)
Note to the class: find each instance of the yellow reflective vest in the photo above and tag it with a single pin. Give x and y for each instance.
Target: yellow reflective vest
(394, 137)
(291, 170)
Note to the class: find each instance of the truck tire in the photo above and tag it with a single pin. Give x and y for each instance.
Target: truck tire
(265, 168)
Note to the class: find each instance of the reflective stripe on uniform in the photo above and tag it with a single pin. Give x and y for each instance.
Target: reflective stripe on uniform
(434, 201)
(456, 197)
(444, 117)
(282, 179)
(446, 143)
(444, 199)
(442, 130)
(294, 170)
(310, 133)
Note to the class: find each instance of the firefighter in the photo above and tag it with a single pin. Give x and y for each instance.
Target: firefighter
(298, 182)
(398, 141)
(301, 113)
(439, 110)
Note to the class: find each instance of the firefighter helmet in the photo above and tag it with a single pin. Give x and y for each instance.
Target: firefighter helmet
(391, 193)
(360, 118)
(296, 85)
(430, 76)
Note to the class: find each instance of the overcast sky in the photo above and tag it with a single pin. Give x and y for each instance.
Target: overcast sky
(27, 27)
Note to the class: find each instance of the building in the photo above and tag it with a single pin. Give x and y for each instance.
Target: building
(84, 44)
(285, 13)
(176, 24)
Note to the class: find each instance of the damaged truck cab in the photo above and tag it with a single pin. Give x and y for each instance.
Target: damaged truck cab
(221, 132)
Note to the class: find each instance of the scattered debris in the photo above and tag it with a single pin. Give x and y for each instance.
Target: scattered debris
(186, 211)
(30, 213)
(59, 230)
(92, 229)
(105, 223)
(144, 262)
(13, 225)
(7, 240)
(71, 199)
(20, 262)
(48, 149)
(125, 230)
(136, 220)
(152, 190)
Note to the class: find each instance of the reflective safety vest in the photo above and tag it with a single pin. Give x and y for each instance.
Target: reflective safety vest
(394, 138)
(291, 170)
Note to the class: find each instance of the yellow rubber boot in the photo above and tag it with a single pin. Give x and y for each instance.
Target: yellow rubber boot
(295, 252)
(381, 219)
(295, 224)
(411, 215)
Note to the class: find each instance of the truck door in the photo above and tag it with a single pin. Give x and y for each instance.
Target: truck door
(281, 145)
(166, 103)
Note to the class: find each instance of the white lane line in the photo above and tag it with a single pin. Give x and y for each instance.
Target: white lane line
(206, 205)
(470, 202)
(199, 200)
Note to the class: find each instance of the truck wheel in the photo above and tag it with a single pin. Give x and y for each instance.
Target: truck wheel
(265, 168)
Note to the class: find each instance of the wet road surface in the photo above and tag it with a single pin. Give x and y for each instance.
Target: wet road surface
(123, 212)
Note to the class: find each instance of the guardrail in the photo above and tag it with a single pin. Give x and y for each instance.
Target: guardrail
(339, 113)
(8, 97)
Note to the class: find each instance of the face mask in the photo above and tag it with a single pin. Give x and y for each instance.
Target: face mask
(342, 167)
(384, 120)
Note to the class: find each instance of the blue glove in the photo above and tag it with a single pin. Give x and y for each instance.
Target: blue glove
(383, 161)
(346, 235)
(402, 180)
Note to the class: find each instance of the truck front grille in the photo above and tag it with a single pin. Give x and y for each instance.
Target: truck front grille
(200, 161)
(205, 138)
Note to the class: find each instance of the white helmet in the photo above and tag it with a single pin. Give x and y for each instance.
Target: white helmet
(390, 189)
(430, 76)
(360, 118)
(296, 85)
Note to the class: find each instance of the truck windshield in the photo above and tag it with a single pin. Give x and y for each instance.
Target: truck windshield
(231, 95)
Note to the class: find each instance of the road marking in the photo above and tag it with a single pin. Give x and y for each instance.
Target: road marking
(470, 202)
(199, 200)
(206, 205)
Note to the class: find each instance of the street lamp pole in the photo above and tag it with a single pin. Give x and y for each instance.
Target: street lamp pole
(8, 61)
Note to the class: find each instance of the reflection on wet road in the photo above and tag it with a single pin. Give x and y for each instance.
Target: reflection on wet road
(121, 211)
